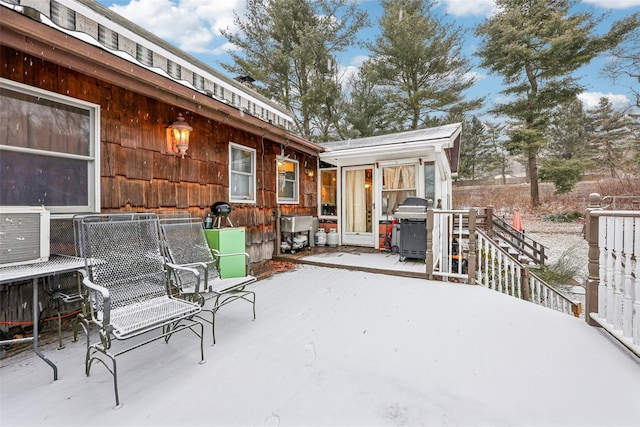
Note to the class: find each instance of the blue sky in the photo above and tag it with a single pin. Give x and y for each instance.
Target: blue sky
(193, 26)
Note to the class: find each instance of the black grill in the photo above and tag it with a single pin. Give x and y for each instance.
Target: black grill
(221, 209)
(412, 214)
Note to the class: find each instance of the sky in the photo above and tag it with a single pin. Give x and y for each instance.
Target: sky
(194, 26)
(332, 347)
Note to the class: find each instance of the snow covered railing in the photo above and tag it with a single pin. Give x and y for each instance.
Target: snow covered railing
(451, 244)
(498, 270)
(458, 250)
(613, 286)
(543, 294)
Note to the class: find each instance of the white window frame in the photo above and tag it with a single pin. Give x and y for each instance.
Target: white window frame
(92, 159)
(296, 183)
(382, 212)
(251, 198)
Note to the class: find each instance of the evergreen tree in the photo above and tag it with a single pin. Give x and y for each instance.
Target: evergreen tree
(569, 153)
(419, 63)
(476, 152)
(289, 47)
(569, 132)
(611, 134)
(536, 45)
(624, 62)
(634, 161)
(365, 108)
(500, 159)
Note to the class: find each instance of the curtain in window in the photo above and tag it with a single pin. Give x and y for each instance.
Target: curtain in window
(355, 202)
(396, 180)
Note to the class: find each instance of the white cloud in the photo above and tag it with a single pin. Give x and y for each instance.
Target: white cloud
(357, 60)
(192, 25)
(475, 75)
(469, 8)
(591, 100)
(614, 4)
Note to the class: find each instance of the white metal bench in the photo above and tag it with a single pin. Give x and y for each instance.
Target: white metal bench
(127, 287)
(186, 244)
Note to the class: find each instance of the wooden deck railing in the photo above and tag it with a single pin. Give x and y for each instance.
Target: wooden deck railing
(520, 241)
(454, 236)
(613, 286)
(498, 270)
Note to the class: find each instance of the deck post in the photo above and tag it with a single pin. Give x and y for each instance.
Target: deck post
(471, 257)
(429, 250)
(593, 279)
(488, 220)
(524, 283)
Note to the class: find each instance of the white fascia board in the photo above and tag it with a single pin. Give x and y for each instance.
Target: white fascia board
(120, 29)
(443, 164)
(386, 152)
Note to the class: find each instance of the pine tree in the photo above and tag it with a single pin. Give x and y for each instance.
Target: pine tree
(419, 63)
(611, 135)
(477, 152)
(569, 153)
(289, 47)
(536, 45)
(495, 133)
(365, 108)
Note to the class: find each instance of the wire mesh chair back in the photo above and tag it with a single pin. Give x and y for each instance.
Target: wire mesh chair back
(61, 238)
(185, 242)
(123, 254)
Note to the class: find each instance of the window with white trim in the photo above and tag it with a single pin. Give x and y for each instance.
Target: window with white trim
(287, 181)
(49, 150)
(398, 183)
(242, 174)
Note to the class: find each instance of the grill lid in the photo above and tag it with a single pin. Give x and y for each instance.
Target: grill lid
(415, 201)
(221, 209)
(412, 208)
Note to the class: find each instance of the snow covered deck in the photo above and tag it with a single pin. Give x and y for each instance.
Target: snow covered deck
(335, 347)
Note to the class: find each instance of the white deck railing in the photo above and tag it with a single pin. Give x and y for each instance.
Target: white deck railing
(450, 243)
(485, 262)
(499, 271)
(613, 288)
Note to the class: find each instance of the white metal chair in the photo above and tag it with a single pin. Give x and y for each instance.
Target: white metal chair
(127, 287)
(186, 244)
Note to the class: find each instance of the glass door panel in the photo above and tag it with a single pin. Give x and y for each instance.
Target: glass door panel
(357, 211)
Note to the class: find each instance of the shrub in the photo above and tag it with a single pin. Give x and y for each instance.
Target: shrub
(563, 216)
(563, 271)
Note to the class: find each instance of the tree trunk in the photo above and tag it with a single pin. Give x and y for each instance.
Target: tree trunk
(533, 175)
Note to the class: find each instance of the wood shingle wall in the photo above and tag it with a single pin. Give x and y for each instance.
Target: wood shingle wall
(137, 173)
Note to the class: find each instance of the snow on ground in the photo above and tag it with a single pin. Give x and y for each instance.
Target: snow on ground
(332, 347)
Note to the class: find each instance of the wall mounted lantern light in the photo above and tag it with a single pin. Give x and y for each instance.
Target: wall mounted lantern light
(308, 170)
(178, 137)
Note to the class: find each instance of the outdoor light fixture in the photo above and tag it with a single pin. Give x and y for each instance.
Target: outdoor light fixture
(178, 137)
(308, 170)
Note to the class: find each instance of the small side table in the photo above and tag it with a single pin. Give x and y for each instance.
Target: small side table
(57, 264)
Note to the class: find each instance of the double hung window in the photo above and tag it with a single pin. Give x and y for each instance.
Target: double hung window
(49, 150)
(288, 181)
(242, 174)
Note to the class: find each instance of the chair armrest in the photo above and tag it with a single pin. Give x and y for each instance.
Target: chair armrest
(247, 261)
(189, 268)
(106, 296)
